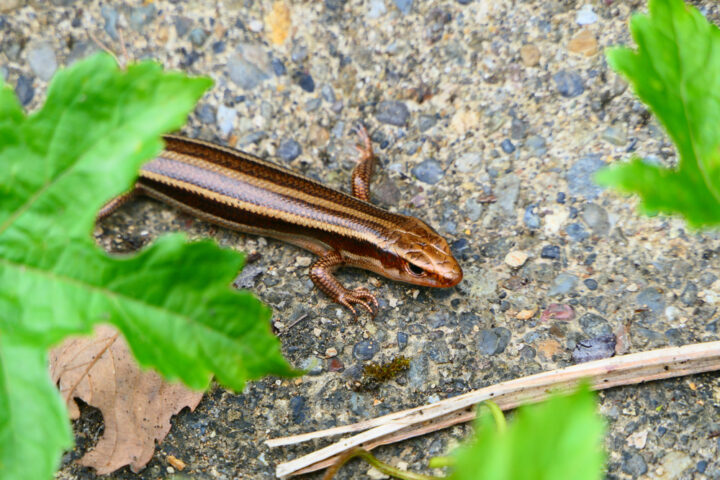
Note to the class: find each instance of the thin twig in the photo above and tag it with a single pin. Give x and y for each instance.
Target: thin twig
(381, 466)
(610, 372)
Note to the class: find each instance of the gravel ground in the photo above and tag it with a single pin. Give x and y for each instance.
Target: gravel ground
(463, 99)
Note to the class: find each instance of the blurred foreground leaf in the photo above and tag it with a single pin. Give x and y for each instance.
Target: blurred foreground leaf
(676, 72)
(172, 301)
(559, 438)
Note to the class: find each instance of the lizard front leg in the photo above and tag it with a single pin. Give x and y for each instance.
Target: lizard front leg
(322, 277)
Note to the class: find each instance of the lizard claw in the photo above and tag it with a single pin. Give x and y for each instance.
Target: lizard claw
(359, 296)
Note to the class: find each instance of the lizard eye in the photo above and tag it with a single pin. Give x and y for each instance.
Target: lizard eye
(415, 270)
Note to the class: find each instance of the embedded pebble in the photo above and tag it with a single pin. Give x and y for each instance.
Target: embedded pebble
(594, 349)
(468, 162)
(392, 113)
(583, 43)
(563, 284)
(530, 217)
(429, 171)
(305, 81)
(403, 5)
(198, 36)
(289, 150)
(580, 176)
(576, 232)
(493, 341)
(634, 464)
(42, 61)
(377, 9)
(616, 134)
(537, 145)
(244, 73)
(551, 252)
(596, 217)
(530, 55)
(402, 340)
(225, 119)
(365, 349)
(142, 16)
(516, 258)
(24, 90)
(586, 15)
(507, 146)
(110, 15)
(568, 83)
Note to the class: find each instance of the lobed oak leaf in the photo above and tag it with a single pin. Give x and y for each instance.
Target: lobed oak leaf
(136, 404)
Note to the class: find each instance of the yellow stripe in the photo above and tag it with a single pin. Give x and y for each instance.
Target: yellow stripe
(274, 187)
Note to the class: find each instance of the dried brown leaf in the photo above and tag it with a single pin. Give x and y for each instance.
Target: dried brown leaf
(136, 404)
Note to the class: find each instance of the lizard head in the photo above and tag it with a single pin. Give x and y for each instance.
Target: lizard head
(422, 256)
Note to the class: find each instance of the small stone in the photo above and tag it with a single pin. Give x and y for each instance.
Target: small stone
(426, 122)
(377, 9)
(244, 73)
(256, 26)
(576, 232)
(312, 365)
(616, 134)
(111, 17)
(653, 299)
(638, 439)
(568, 83)
(327, 93)
(473, 209)
(468, 162)
(586, 16)
(530, 55)
(537, 144)
(689, 295)
(365, 350)
(429, 171)
(557, 311)
(225, 119)
(675, 463)
(563, 284)
(596, 217)
(387, 191)
(246, 278)
(464, 121)
(142, 16)
(182, 26)
(392, 113)
(403, 5)
(584, 43)
(331, 352)
(24, 89)
(305, 81)
(594, 325)
(516, 258)
(278, 67)
(526, 314)
(206, 113)
(594, 349)
(507, 146)
(336, 365)
(297, 406)
(551, 252)
(198, 36)
(530, 217)
(548, 348)
(580, 176)
(299, 52)
(7, 5)
(218, 47)
(493, 341)
(289, 150)
(303, 261)
(402, 340)
(42, 60)
(590, 284)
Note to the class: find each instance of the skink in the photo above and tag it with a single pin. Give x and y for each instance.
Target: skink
(243, 192)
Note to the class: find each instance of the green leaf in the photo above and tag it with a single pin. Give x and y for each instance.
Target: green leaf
(560, 438)
(172, 301)
(34, 428)
(676, 72)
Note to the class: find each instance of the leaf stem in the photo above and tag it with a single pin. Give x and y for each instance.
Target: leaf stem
(381, 466)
